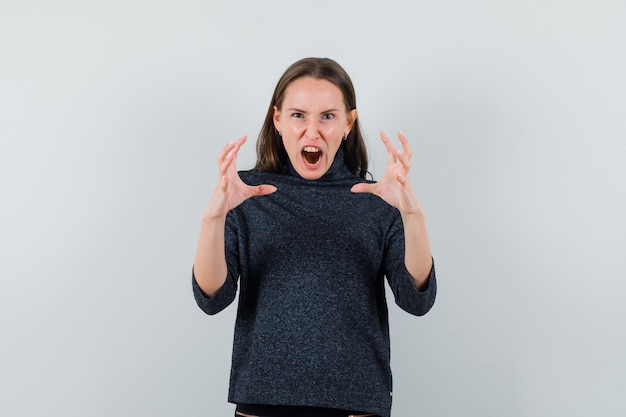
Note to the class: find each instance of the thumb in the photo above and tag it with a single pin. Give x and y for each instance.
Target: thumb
(362, 188)
(264, 189)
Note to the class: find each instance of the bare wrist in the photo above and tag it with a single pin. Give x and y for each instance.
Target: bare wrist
(211, 216)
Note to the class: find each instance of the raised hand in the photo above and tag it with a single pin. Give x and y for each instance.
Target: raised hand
(395, 187)
(231, 190)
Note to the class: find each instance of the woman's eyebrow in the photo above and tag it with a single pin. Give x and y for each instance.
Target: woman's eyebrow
(303, 111)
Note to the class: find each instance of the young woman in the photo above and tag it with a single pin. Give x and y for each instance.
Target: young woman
(310, 242)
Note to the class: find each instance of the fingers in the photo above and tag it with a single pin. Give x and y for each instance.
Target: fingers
(237, 145)
(394, 154)
(229, 154)
(391, 151)
(230, 151)
(226, 160)
(405, 145)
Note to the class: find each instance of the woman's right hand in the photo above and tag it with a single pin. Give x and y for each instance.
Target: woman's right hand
(231, 190)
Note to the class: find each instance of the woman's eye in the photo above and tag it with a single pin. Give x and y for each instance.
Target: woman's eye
(328, 116)
(297, 115)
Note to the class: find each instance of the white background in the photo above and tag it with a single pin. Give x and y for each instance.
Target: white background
(111, 118)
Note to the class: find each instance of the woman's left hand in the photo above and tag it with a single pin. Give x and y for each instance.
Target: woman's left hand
(395, 187)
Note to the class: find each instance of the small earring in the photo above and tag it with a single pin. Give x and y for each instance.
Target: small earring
(346, 136)
(279, 134)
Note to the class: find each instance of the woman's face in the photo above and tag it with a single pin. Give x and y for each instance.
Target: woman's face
(312, 122)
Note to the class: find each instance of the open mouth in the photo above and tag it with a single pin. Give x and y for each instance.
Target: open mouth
(311, 155)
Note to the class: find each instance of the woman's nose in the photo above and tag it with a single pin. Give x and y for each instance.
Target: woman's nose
(312, 129)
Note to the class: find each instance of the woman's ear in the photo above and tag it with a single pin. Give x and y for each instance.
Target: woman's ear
(352, 115)
(276, 118)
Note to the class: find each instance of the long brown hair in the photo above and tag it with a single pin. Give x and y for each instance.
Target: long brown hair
(271, 155)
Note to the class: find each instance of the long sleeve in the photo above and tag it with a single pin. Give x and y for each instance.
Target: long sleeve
(228, 291)
(406, 295)
(222, 298)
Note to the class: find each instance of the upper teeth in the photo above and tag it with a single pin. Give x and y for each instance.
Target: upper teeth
(311, 149)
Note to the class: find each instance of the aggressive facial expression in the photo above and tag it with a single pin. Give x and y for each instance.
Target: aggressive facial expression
(313, 122)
